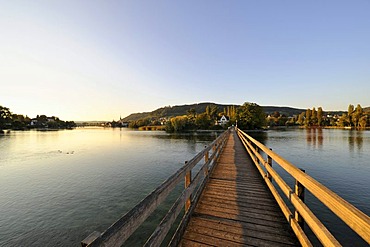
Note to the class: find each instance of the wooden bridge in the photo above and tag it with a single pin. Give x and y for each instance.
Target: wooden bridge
(232, 201)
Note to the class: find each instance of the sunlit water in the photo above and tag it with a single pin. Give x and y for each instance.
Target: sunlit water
(57, 187)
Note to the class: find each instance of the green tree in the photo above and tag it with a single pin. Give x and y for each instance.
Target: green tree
(192, 113)
(276, 114)
(203, 121)
(343, 121)
(349, 115)
(357, 114)
(308, 118)
(301, 119)
(250, 116)
(5, 118)
(363, 122)
(178, 124)
(282, 120)
(20, 122)
(314, 116)
(319, 116)
(292, 121)
(212, 111)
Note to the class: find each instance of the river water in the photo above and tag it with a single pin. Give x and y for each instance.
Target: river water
(56, 187)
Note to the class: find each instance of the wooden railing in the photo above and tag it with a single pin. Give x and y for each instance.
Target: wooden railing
(353, 217)
(123, 228)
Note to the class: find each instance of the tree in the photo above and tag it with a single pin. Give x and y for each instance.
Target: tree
(250, 116)
(20, 122)
(356, 116)
(343, 121)
(192, 113)
(308, 118)
(349, 115)
(203, 121)
(301, 119)
(177, 124)
(282, 120)
(314, 116)
(363, 122)
(5, 117)
(276, 114)
(319, 116)
(211, 111)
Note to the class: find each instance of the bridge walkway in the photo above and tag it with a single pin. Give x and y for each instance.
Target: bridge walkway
(236, 208)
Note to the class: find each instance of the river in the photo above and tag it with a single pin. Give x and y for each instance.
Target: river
(59, 186)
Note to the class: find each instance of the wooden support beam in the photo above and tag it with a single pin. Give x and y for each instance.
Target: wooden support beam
(269, 162)
(206, 158)
(299, 191)
(187, 183)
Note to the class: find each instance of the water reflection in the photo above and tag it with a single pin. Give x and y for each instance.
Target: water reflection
(355, 139)
(260, 136)
(188, 136)
(315, 137)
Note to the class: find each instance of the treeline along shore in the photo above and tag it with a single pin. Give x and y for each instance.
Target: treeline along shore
(211, 116)
(208, 116)
(11, 121)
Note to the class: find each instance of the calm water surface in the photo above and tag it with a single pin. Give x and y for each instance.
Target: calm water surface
(58, 187)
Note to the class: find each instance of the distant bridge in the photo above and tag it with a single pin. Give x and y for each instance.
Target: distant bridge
(231, 201)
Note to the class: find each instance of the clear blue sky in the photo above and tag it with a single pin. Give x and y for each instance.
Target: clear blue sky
(97, 60)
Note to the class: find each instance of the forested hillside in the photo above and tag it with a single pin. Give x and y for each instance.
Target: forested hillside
(172, 111)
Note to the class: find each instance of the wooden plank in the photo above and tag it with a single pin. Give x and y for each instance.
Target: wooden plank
(243, 218)
(240, 192)
(190, 243)
(267, 201)
(236, 207)
(209, 240)
(238, 234)
(250, 204)
(285, 231)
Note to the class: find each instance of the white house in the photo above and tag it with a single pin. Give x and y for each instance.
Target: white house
(223, 120)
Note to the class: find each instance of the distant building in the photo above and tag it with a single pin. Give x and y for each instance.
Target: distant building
(33, 122)
(121, 123)
(163, 120)
(223, 120)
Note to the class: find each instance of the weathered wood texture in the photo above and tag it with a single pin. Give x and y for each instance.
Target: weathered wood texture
(236, 207)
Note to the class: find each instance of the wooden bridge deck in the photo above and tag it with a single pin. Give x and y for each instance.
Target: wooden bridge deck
(236, 207)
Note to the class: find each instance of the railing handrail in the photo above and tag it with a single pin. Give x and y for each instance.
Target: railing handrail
(123, 228)
(353, 217)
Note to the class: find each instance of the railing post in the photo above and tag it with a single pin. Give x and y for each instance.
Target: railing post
(269, 162)
(206, 158)
(187, 183)
(299, 191)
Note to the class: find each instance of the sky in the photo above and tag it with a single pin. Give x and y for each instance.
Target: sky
(99, 60)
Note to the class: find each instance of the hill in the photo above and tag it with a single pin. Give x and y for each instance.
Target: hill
(171, 111)
(179, 110)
